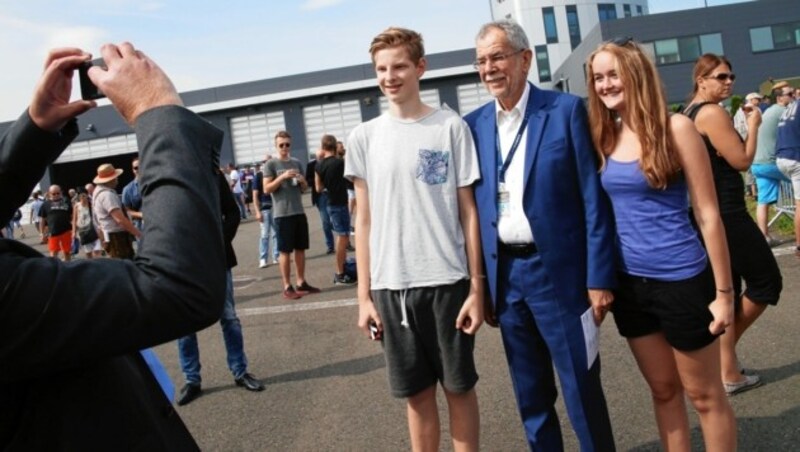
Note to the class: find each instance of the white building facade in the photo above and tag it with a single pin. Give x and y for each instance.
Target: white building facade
(556, 27)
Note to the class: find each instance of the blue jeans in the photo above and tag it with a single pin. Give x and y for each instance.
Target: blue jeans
(189, 354)
(327, 227)
(239, 197)
(267, 230)
(340, 219)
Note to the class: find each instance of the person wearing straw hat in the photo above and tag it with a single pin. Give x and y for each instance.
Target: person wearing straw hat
(110, 214)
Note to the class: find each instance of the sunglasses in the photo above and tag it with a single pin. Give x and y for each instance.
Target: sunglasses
(136, 168)
(620, 41)
(284, 145)
(723, 76)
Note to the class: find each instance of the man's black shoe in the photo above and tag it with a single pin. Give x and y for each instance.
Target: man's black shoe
(189, 392)
(249, 382)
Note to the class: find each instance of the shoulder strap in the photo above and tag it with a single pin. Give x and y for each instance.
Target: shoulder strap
(691, 110)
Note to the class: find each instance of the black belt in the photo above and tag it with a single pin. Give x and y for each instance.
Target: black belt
(518, 249)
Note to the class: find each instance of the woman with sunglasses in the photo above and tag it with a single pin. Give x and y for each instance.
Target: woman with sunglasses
(665, 304)
(750, 255)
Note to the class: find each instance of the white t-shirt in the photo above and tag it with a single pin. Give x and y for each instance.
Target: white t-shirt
(413, 169)
(236, 181)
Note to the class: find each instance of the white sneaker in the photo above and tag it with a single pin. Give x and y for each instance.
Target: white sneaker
(262, 263)
(275, 261)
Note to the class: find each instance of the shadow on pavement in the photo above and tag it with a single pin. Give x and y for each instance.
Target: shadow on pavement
(343, 368)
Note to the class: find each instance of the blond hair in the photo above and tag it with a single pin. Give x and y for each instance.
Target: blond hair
(399, 37)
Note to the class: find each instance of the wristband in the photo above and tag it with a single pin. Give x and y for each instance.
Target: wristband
(728, 290)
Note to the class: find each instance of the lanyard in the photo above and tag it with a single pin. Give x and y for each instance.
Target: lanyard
(502, 166)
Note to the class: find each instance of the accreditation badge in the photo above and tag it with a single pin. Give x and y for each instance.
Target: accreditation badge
(503, 201)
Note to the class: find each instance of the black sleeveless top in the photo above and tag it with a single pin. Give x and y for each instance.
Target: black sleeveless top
(727, 180)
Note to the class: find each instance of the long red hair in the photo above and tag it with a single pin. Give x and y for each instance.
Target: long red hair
(646, 112)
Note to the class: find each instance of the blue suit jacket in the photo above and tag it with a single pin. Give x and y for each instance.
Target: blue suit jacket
(568, 212)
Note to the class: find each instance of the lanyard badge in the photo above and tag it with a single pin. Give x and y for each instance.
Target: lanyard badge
(503, 195)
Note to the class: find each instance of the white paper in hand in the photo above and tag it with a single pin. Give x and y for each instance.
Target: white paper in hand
(591, 334)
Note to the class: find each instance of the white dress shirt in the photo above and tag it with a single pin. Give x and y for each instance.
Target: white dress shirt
(514, 227)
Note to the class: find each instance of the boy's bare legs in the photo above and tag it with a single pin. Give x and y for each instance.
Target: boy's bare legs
(285, 262)
(300, 266)
(423, 420)
(464, 420)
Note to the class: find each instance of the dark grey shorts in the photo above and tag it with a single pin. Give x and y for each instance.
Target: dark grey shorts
(430, 349)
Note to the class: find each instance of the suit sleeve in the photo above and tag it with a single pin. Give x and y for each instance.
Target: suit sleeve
(56, 316)
(600, 233)
(25, 152)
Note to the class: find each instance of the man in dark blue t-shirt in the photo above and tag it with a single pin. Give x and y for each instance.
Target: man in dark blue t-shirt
(787, 158)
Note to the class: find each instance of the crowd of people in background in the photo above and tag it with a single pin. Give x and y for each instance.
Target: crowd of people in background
(684, 276)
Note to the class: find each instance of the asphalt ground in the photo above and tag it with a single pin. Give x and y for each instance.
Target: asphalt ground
(326, 385)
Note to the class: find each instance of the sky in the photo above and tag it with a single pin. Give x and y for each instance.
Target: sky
(202, 44)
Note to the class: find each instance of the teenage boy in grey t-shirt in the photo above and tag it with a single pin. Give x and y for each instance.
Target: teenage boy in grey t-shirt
(418, 247)
(283, 179)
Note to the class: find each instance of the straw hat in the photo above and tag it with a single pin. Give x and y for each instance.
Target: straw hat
(106, 173)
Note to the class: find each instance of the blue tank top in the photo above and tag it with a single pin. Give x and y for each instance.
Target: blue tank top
(655, 238)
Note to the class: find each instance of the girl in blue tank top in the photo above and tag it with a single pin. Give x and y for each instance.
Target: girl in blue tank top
(666, 304)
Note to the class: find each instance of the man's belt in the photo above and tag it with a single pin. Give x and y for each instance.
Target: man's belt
(518, 249)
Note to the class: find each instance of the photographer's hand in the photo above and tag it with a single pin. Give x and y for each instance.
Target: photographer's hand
(50, 107)
(133, 82)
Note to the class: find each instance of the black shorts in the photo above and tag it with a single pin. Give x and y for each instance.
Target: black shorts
(292, 233)
(430, 348)
(679, 309)
(752, 260)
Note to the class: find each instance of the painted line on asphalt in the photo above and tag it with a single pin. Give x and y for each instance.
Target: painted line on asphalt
(783, 251)
(297, 307)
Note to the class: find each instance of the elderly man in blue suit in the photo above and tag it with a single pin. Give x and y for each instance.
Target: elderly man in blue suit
(547, 238)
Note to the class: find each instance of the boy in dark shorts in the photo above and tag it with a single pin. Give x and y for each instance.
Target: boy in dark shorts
(283, 179)
(417, 244)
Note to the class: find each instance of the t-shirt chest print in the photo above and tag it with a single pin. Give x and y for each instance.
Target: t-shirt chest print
(432, 166)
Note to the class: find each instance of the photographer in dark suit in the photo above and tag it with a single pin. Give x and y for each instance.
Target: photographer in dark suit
(71, 376)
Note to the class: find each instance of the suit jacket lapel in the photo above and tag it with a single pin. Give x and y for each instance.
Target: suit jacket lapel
(536, 124)
(487, 144)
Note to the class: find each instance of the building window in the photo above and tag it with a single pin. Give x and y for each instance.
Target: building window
(543, 63)
(471, 96)
(626, 10)
(688, 48)
(639, 10)
(607, 11)
(574, 26)
(775, 37)
(550, 31)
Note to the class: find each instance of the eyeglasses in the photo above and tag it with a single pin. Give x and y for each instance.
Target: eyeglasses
(284, 145)
(494, 59)
(723, 76)
(55, 193)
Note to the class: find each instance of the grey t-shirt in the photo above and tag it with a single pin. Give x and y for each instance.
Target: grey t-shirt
(288, 199)
(768, 135)
(413, 169)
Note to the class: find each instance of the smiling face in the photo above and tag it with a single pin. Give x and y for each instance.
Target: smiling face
(398, 75)
(607, 82)
(503, 69)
